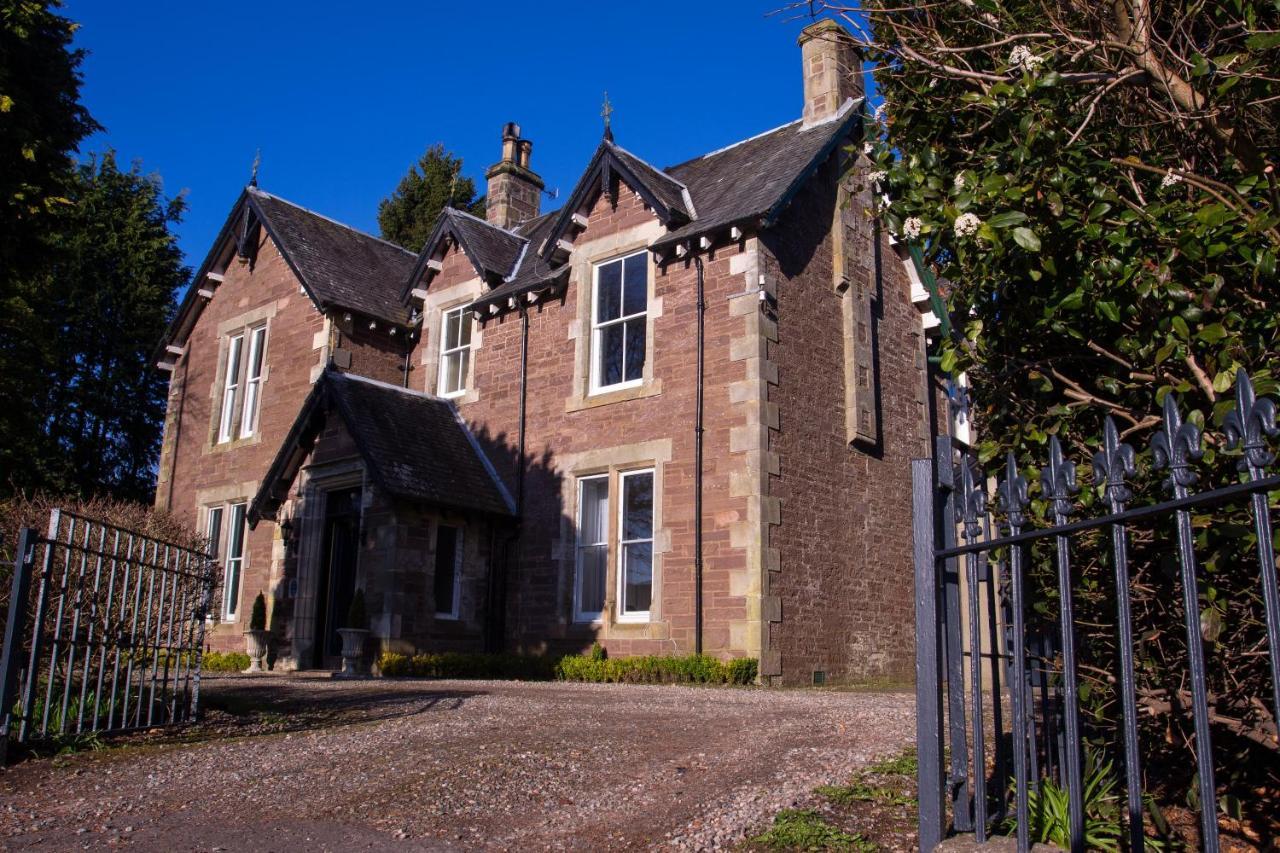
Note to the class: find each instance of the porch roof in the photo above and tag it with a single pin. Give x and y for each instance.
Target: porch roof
(414, 446)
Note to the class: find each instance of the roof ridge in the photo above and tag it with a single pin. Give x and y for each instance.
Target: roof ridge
(379, 383)
(475, 218)
(352, 229)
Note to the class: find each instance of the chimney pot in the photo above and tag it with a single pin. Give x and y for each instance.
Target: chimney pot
(514, 191)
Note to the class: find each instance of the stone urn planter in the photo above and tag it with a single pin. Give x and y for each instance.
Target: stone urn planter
(255, 646)
(353, 664)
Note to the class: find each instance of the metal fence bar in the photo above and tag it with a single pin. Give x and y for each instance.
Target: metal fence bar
(953, 646)
(930, 734)
(14, 628)
(1013, 499)
(88, 643)
(46, 570)
(971, 498)
(1174, 447)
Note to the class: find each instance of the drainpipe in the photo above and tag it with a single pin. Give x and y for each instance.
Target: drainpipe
(697, 471)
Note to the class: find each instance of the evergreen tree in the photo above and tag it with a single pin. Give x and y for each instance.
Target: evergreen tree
(407, 216)
(87, 405)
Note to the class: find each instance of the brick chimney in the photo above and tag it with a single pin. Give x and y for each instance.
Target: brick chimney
(832, 64)
(515, 192)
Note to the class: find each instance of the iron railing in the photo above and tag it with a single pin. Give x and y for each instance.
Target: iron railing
(104, 633)
(954, 525)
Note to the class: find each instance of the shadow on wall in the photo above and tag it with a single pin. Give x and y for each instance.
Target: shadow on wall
(531, 587)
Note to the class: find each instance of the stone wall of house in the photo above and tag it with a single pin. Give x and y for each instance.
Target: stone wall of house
(571, 433)
(368, 348)
(841, 600)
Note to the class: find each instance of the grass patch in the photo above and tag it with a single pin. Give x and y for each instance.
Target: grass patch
(905, 764)
(805, 829)
(862, 792)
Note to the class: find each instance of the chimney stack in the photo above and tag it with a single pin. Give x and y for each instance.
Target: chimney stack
(515, 192)
(832, 64)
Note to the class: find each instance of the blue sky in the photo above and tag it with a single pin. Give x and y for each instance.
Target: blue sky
(341, 97)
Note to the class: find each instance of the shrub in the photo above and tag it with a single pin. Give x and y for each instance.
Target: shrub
(657, 669)
(258, 617)
(356, 616)
(467, 665)
(224, 662)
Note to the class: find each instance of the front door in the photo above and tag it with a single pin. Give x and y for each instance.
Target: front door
(337, 573)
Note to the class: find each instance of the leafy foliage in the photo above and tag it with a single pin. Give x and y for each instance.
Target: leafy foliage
(41, 123)
(258, 616)
(357, 617)
(467, 665)
(407, 216)
(224, 662)
(1091, 183)
(85, 406)
(658, 669)
(1048, 811)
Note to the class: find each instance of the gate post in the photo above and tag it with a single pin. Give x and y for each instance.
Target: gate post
(11, 663)
(929, 731)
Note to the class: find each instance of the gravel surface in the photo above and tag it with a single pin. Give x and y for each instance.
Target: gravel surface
(304, 763)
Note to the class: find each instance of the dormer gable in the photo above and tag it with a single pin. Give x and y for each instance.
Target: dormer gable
(494, 253)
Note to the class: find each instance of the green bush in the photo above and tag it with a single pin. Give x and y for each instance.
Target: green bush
(467, 665)
(224, 662)
(356, 615)
(657, 669)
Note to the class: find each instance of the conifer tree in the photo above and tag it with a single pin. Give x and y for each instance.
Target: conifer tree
(407, 216)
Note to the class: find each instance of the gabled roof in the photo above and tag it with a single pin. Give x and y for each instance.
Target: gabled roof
(493, 251)
(756, 179)
(534, 272)
(667, 196)
(338, 266)
(414, 446)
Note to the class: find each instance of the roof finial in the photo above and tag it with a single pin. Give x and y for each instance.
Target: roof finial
(257, 161)
(606, 112)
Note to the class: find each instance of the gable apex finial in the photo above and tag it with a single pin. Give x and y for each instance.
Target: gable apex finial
(606, 112)
(253, 174)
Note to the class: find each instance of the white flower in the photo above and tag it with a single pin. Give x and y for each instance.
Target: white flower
(879, 113)
(877, 176)
(911, 227)
(966, 224)
(867, 148)
(959, 182)
(1021, 56)
(1169, 180)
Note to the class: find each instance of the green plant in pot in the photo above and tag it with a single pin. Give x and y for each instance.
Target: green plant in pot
(354, 636)
(255, 639)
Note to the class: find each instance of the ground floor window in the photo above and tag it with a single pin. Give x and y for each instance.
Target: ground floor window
(635, 545)
(226, 524)
(448, 571)
(593, 548)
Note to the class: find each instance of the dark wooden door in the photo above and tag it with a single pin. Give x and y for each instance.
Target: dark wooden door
(337, 572)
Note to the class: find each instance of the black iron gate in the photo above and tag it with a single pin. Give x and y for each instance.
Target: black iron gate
(968, 556)
(105, 632)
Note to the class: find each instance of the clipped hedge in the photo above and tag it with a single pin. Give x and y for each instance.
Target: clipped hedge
(592, 667)
(658, 669)
(224, 662)
(467, 665)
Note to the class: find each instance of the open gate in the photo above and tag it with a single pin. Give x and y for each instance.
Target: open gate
(104, 633)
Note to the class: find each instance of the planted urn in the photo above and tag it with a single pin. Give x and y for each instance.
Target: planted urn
(255, 639)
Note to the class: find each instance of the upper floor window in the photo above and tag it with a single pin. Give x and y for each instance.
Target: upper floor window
(618, 319)
(242, 384)
(455, 352)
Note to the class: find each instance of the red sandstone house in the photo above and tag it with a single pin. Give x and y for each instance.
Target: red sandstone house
(673, 415)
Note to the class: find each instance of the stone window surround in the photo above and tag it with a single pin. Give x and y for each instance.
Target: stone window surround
(586, 255)
(226, 496)
(437, 303)
(240, 324)
(613, 461)
(454, 613)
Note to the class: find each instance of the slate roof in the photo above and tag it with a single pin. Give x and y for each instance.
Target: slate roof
(669, 191)
(757, 177)
(414, 446)
(340, 266)
(534, 271)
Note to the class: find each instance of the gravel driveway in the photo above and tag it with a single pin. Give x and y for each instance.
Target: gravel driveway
(418, 765)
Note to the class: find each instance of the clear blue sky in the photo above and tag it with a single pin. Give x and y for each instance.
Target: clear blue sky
(341, 97)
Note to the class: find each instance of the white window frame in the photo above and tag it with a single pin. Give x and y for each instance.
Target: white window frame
(635, 615)
(448, 354)
(580, 615)
(230, 388)
(597, 328)
(455, 606)
(253, 380)
(233, 567)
